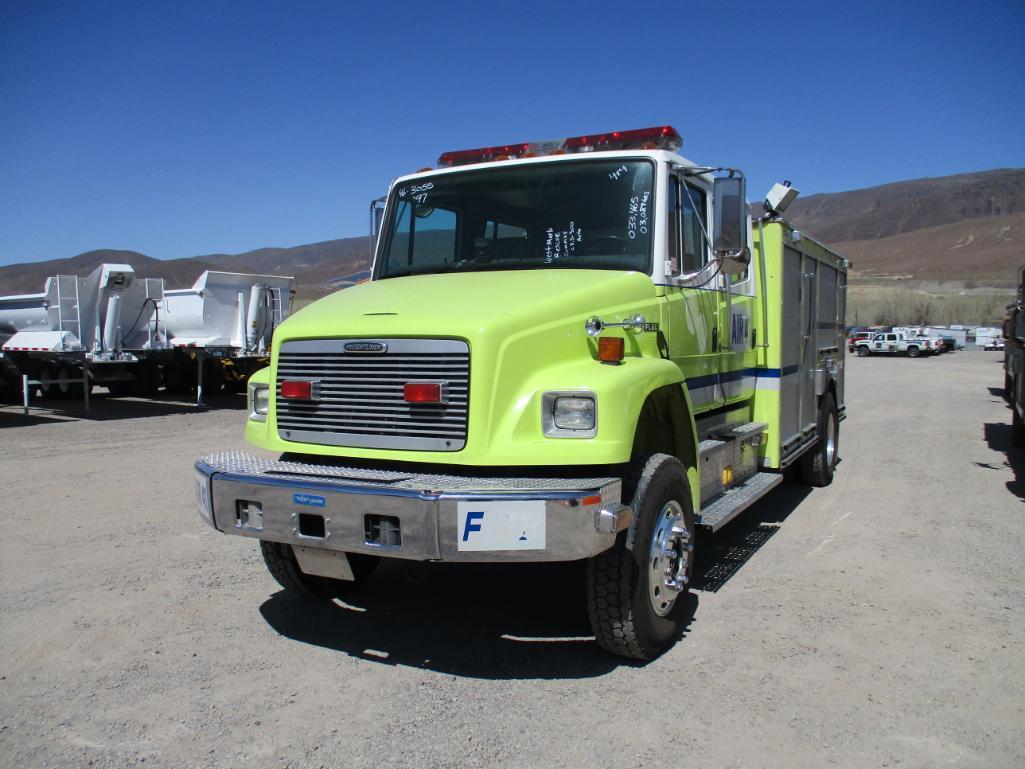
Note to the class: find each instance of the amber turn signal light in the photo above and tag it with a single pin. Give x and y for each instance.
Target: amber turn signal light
(610, 349)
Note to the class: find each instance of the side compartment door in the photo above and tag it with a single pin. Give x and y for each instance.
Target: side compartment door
(790, 349)
(809, 353)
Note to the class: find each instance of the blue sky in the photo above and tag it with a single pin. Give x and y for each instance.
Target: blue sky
(178, 129)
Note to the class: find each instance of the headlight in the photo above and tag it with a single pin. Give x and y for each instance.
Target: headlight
(569, 415)
(259, 402)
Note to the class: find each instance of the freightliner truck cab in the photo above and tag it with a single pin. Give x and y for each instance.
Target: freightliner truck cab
(580, 349)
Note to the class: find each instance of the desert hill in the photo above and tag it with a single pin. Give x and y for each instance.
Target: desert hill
(968, 228)
(893, 209)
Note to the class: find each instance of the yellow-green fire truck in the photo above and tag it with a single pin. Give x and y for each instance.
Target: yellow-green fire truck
(580, 349)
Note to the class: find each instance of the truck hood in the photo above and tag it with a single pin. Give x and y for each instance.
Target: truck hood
(469, 305)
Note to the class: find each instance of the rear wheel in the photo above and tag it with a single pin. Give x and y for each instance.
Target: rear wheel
(914, 352)
(818, 463)
(636, 590)
(283, 566)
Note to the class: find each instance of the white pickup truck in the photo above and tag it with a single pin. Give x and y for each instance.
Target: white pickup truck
(899, 344)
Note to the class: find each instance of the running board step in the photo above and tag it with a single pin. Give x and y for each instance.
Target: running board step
(736, 500)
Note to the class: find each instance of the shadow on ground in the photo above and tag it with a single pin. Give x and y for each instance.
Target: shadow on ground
(722, 555)
(104, 408)
(999, 437)
(501, 621)
(473, 620)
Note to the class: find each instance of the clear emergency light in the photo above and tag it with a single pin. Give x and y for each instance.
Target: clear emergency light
(658, 138)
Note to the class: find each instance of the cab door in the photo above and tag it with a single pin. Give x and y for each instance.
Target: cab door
(693, 315)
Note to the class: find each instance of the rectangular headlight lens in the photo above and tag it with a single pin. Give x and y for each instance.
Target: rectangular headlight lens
(573, 413)
(259, 401)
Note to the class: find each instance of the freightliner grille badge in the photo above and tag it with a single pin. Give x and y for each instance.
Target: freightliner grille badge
(365, 347)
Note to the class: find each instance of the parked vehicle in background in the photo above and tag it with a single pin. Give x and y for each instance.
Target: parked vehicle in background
(860, 336)
(892, 343)
(128, 333)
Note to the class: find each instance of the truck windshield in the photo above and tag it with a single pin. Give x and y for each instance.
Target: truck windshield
(588, 214)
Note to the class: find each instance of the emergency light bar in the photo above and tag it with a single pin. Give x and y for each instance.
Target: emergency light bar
(658, 138)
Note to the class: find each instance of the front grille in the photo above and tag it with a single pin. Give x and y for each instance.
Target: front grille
(361, 400)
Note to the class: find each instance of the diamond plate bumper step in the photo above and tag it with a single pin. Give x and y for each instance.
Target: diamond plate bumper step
(736, 500)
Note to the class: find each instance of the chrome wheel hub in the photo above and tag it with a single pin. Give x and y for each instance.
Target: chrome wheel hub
(668, 558)
(831, 440)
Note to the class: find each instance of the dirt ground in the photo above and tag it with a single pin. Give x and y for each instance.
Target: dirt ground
(879, 622)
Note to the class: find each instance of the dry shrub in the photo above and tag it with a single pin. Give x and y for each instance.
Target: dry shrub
(885, 306)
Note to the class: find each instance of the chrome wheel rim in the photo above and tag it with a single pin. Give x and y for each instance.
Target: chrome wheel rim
(831, 440)
(668, 558)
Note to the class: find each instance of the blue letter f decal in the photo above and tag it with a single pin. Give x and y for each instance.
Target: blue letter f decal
(470, 525)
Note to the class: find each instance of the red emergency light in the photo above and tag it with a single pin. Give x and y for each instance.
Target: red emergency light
(297, 390)
(422, 392)
(660, 137)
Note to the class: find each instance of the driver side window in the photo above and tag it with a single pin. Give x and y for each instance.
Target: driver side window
(685, 238)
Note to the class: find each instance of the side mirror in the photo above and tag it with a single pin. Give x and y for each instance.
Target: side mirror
(729, 234)
(376, 218)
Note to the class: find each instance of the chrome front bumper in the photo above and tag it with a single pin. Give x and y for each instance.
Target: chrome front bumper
(403, 514)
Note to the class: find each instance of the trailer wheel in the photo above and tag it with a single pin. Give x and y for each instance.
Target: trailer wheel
(48, 374)
(818, 463)
(914, 352)
(636, 590)
(176, 381)
(863, 351)
(213, 376)
(285, 569)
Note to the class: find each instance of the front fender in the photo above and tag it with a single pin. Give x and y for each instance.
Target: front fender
(620, 391)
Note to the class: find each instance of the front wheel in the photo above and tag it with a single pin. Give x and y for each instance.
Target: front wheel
(818, 463)
(283, 566)
(863, 351)
(636, 590)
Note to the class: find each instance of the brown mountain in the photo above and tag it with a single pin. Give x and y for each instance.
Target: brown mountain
(968, 227)
(313, 266)
(892, 209)
(983, 250)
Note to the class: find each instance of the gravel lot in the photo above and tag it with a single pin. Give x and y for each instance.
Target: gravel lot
(878, 622)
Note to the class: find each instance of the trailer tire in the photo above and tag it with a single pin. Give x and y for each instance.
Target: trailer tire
(632, 611)
(213, 376)
(282, 565)
(176, 380)
(50, 389)
(863, 351)
(818, 463)
(914, 352)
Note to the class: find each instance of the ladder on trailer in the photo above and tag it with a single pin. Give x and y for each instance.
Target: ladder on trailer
(68, 316)
(274, 295)
(157, 329)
